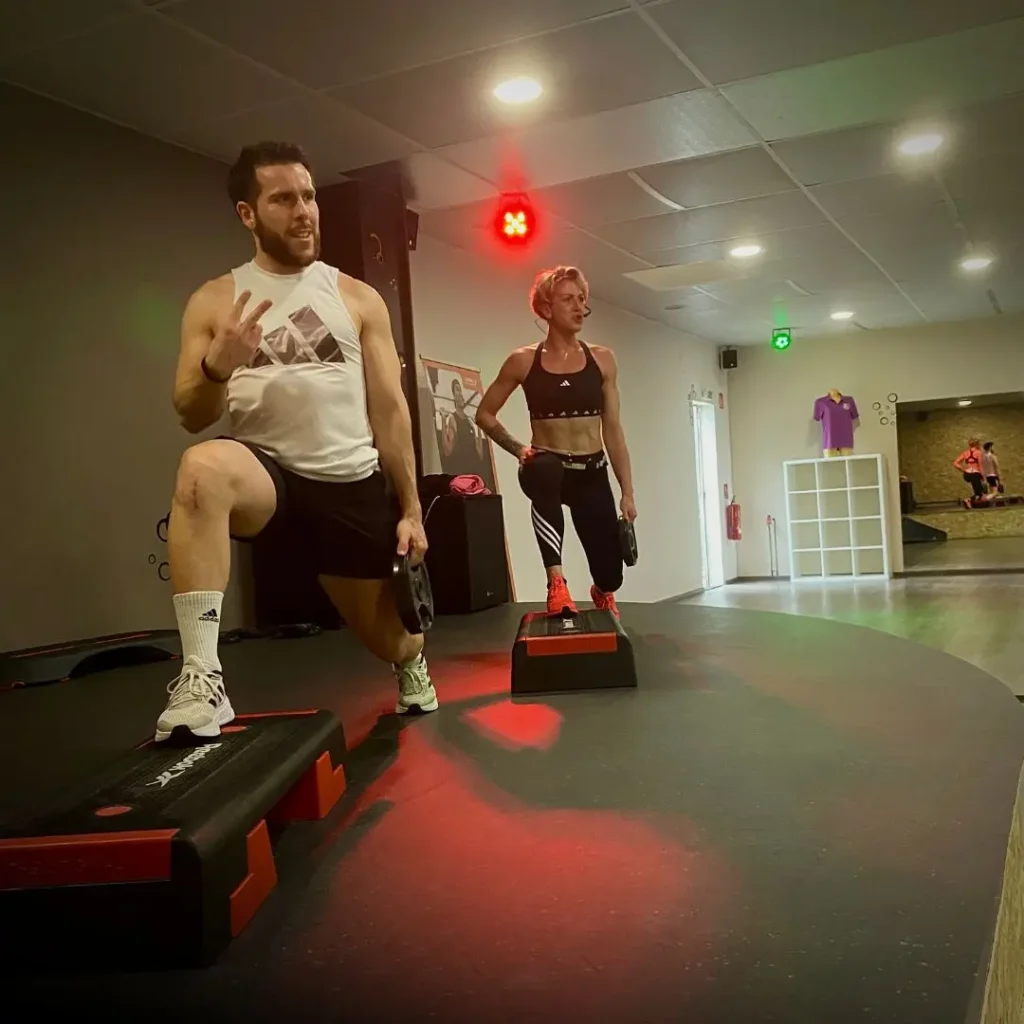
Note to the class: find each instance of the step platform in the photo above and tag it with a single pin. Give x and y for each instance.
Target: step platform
(34, 666)
(566, 653)
(162, 858)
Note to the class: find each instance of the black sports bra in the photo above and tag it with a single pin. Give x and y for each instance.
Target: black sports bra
(552, 396)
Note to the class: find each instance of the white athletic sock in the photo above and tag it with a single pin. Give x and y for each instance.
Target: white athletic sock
(199, 624)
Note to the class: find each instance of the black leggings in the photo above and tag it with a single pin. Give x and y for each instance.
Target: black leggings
(977, 483)
(581, 482)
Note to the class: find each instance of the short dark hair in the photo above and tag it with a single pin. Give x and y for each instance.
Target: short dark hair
(242, 185)
(988, 445)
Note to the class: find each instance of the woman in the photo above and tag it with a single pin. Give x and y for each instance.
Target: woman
(572, 394)
(969, 463)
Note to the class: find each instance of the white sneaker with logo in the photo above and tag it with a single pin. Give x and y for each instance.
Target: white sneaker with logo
(199, 704)
(415, 690)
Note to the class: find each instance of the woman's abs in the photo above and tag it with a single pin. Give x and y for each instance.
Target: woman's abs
(580, 436)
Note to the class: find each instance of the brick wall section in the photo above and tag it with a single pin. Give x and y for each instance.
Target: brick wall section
(927, 448)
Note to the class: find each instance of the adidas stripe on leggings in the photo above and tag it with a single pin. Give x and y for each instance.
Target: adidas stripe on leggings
(581, 482)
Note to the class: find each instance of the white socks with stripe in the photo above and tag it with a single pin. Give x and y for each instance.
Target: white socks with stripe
(199, 624)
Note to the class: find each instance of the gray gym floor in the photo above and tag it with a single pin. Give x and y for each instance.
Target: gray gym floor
(791, 819)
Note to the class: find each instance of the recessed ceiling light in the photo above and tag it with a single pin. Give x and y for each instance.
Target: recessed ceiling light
(976, 263)
(922, 143)
(744, 252)
(518, 90)
(842, 314)
(964, 401)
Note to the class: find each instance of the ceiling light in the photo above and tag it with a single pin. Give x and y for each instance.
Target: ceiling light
(964, 401)
(518, 90)
(976, 263)
(842, 314)
(744, 252)
(921, 144)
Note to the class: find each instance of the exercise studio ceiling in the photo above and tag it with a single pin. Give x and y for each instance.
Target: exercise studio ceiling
(666, 135)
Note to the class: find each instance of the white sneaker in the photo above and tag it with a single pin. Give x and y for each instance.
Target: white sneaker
(415, 690)
(198, 704)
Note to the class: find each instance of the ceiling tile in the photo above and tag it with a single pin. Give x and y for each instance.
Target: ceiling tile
(742, 174)
(325, 44)
(955, 301)
(688, 124)
(335, 139)
(747, 219)
(735, 39)
(889, 196)
(437, 183)
(863, 152)
(929, 78)
(36, 22)
(817, 242)
(995, 179)
(597, 201)
(148, 74)
(913, 245)
(869, 151)
(571, 64)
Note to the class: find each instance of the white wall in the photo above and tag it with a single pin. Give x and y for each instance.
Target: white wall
(473, 313)
(118, 231)
(772, 398)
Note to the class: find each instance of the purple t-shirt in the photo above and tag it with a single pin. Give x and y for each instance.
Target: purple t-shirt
(836, 420)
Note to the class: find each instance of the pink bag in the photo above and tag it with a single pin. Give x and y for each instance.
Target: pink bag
(467, 483)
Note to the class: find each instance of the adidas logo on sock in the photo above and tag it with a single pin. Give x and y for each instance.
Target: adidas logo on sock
(210, 616)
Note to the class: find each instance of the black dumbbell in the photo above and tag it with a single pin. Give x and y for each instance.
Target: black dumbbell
(627, 541)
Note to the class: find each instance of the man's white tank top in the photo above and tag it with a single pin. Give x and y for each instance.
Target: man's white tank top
(302, 399)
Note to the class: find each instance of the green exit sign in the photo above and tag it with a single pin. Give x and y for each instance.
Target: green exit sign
(782, 338)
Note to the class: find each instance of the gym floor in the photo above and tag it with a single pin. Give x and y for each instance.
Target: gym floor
(791, 819)
(973, 617)
(990, 553)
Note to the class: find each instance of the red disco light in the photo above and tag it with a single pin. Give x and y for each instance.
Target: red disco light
(515, 220)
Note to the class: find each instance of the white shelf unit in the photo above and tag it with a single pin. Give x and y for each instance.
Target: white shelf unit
(836, 517)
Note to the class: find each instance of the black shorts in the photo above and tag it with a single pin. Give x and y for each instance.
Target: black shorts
(349, 526)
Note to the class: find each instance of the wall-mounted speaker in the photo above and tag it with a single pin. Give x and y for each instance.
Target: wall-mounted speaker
(728, 359)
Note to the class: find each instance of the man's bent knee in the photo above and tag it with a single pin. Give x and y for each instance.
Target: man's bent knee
(202, 478)
(224, 476)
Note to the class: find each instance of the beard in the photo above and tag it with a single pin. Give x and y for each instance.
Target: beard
(278, 247)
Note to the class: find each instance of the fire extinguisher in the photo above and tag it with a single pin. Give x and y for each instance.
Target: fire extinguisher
(733, 521)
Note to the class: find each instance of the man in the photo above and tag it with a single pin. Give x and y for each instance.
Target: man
(573, 396)
(463, 444)
(302, 359)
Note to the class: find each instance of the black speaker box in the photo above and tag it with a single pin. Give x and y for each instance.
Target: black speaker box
(466, 556)
(728, 358)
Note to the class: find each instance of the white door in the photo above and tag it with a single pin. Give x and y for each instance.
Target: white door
(712, 508)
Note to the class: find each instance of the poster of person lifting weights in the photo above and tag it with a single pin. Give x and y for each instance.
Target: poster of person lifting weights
(452, 442)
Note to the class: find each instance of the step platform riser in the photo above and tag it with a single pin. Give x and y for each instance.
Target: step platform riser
(162, 858)
(588, 650)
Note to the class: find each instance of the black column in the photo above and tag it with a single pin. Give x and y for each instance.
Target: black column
(366, 231)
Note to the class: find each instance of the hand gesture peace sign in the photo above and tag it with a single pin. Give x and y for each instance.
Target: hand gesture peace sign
(236, 342)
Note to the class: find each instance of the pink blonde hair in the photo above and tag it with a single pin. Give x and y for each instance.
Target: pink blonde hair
(547, 281)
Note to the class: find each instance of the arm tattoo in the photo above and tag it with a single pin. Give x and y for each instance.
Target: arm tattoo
(501, 437)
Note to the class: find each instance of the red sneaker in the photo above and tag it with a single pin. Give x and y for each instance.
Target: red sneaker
(604, 602)
(559, 598)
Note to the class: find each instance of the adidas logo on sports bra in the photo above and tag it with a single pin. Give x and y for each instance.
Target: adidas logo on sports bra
(565, 384)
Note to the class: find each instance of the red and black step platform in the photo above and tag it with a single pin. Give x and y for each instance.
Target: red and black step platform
(164, 856)
(568, 652)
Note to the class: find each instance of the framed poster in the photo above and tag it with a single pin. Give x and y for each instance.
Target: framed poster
(455, 443)
(451, 442)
